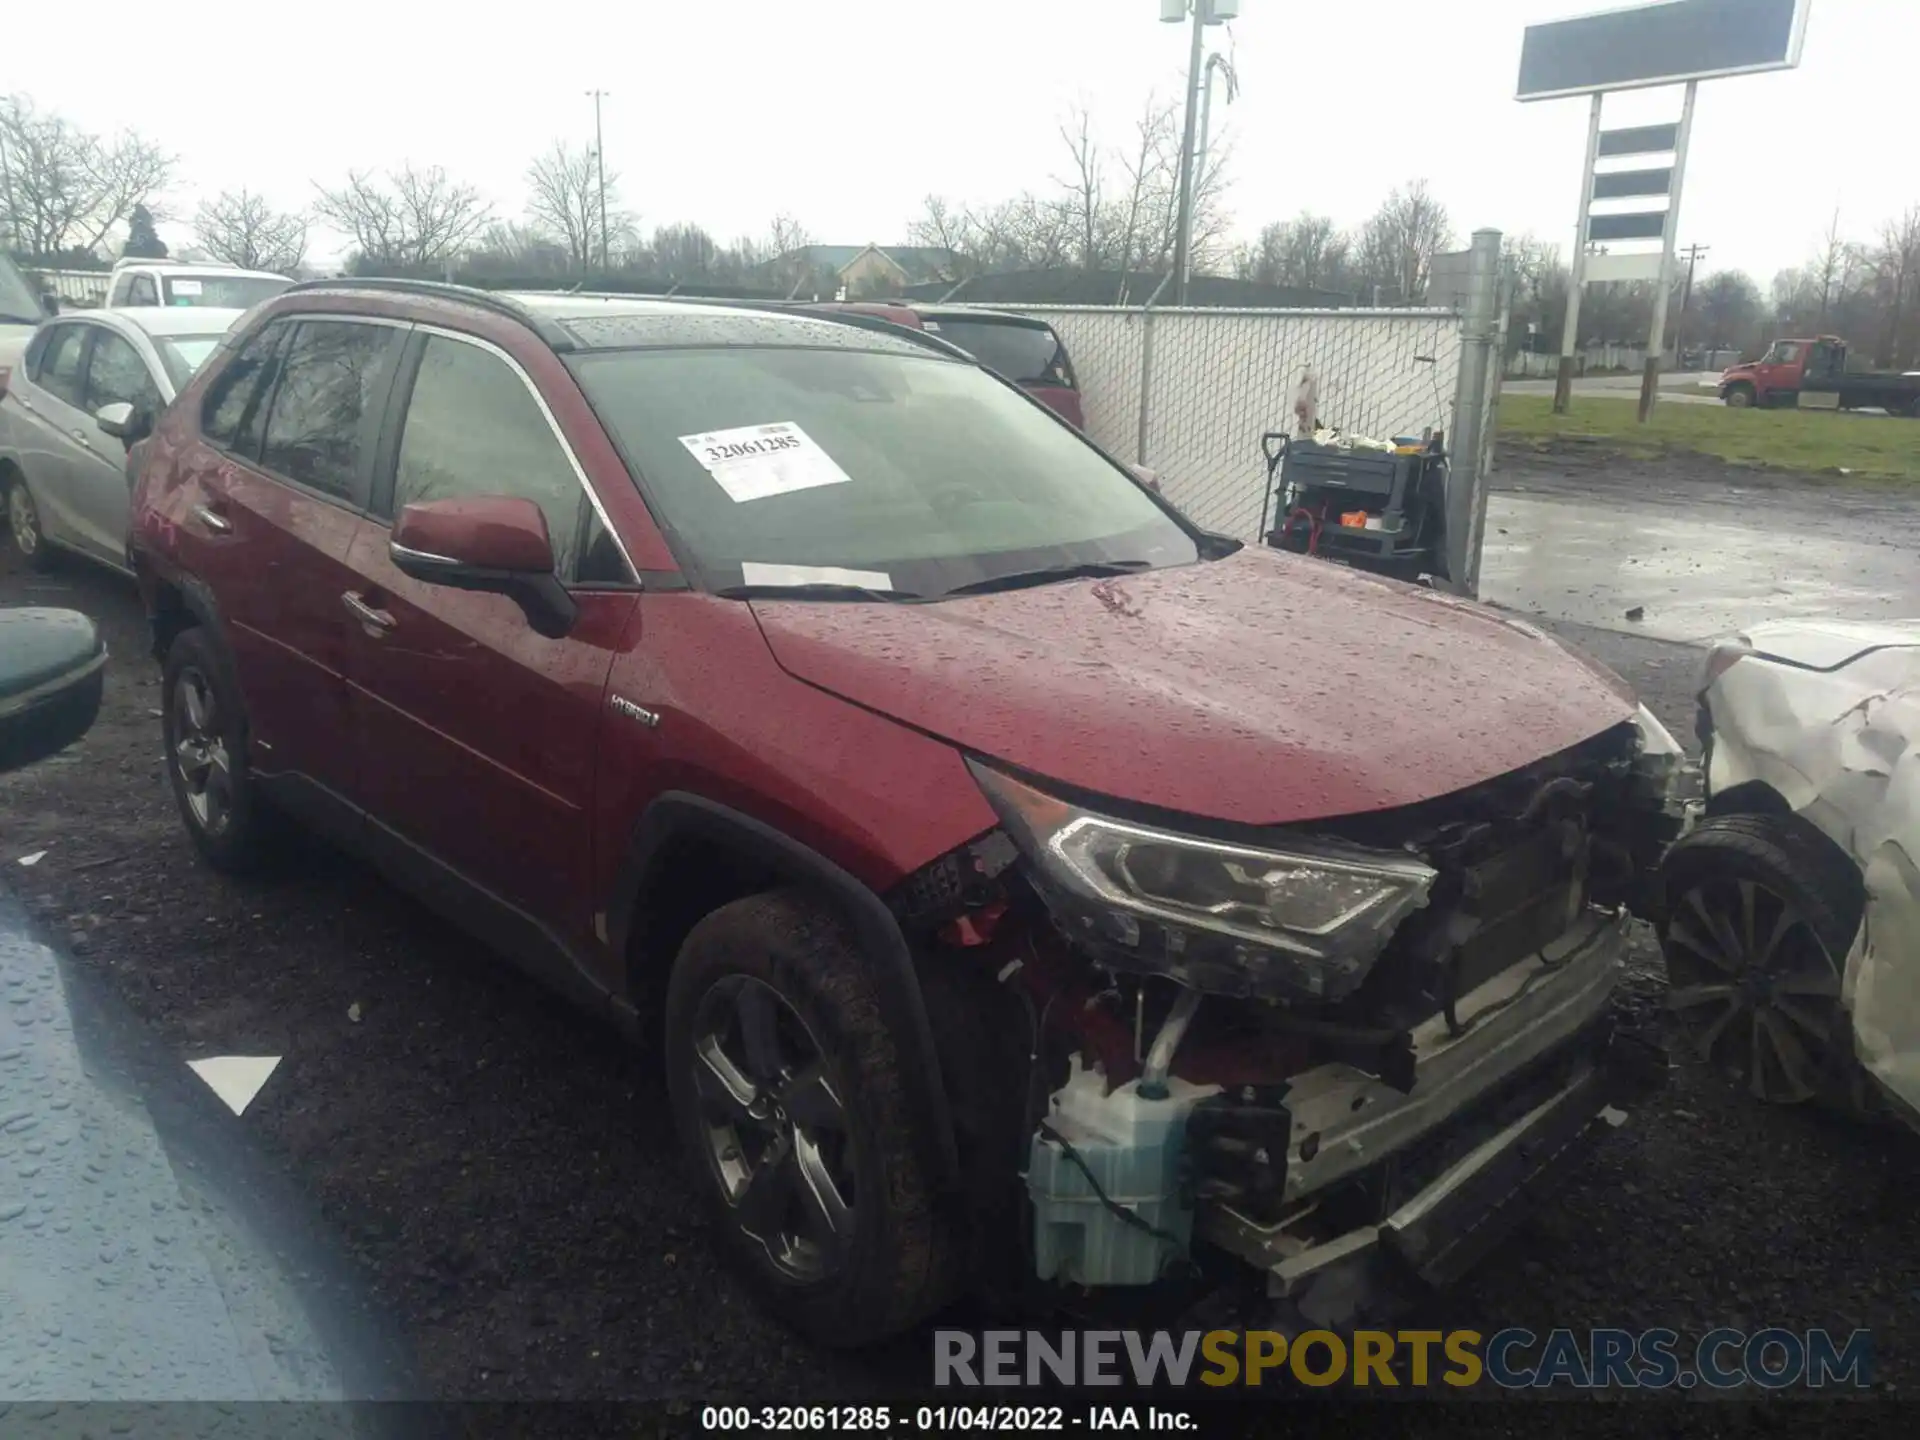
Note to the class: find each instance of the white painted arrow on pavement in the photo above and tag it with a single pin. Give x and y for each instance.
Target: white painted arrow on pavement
(236, 1079)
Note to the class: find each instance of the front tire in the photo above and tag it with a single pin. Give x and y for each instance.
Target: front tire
(205, 731)
(1739, 397)
(23, 522)
(1759, 914)
(788, 1092)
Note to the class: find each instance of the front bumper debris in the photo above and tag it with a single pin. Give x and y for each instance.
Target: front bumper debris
(1495, 1113)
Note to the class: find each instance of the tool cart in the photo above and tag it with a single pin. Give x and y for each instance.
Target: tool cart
(1373, 509)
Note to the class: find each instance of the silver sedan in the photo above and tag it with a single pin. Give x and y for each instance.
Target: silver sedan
(87, 387)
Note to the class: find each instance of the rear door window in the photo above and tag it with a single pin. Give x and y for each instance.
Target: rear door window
(62, 361)
(1023, 352)
(324, 416)
(234, 411)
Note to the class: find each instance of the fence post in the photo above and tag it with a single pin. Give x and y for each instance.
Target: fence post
(1469, 446)
(1146, 368)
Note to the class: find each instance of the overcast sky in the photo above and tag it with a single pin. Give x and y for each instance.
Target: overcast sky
(847, 114)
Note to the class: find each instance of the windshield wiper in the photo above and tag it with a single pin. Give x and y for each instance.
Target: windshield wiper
(815, 590)
(1047, 574)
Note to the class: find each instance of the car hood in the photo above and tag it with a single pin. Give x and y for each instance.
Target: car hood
(1829, 644)
(1258, 689)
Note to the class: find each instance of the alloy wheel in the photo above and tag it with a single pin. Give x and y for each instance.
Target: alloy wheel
(776, 1132)
(1755, 989)
(23, 520)
(200, 752)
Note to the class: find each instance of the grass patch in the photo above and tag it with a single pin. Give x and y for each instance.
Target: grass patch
(1814, 443)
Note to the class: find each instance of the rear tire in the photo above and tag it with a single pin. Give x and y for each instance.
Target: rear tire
(204, 727)
(789, 1095)
(1759, 913)
(23, 522)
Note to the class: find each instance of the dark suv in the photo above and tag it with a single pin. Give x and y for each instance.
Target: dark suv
(1022, 886)
(1022, 348)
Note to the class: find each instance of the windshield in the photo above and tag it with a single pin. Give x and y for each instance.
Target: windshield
(884, 471)
(1025, 353)
(18, 300)
(222, 292)
(184, 354)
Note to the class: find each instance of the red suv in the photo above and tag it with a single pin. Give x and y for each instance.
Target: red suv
(1022, 887)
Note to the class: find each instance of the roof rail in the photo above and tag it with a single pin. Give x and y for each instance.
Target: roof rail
(791, 307)
(554, 335)
(864, 321)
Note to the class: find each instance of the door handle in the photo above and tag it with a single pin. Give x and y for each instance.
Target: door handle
(212, 519)
(376, 622)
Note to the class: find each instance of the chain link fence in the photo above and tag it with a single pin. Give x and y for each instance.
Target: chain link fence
(77, 289)
(1189, 393)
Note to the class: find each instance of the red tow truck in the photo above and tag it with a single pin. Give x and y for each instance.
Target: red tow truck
(1813, 375)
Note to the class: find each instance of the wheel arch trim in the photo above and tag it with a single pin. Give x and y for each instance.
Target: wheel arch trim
(677, 814)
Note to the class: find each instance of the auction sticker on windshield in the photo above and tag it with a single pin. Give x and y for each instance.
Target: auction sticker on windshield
(755, 461)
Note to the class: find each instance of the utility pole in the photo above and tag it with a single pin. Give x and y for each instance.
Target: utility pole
(600, 160)
(1693, 254)
(1214, 61)
(1205, 13)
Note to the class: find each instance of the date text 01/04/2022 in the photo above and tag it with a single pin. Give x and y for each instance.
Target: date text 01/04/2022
(943, 1419)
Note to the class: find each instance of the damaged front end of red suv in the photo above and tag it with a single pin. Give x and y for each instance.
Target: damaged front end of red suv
(1332, 1059)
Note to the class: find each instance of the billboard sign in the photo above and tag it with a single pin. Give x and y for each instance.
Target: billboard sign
(1663, 44)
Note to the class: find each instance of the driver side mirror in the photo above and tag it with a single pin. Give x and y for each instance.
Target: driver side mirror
(53, 665)
(497, 544)
(125, 422)
(50, 302)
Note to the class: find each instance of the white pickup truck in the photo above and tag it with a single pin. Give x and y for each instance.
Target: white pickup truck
(171, 282)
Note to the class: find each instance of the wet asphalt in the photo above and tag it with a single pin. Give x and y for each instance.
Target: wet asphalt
(504, 1175)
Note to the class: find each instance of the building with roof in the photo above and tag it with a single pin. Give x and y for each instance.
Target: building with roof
(856, 271)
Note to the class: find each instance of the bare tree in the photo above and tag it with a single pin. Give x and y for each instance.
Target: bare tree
(1397, 245)
(1308, 251)
(684, 252)
(1086, 203)
(62, 190)
(1897, 264)
(942, 226)
(786, 235)
(1729, 311)
(1540, 284)
(240, 228)
(414, 219)
(1836, 268)
(566, 202)
(1109, 212)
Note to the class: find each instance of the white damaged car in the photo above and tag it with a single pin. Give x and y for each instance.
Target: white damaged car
(1791, 921)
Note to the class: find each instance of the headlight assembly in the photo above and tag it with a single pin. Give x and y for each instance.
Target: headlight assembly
(1661, 763)
(1301, 919)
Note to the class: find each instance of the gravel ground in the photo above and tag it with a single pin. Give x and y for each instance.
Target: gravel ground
(506, 1173)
